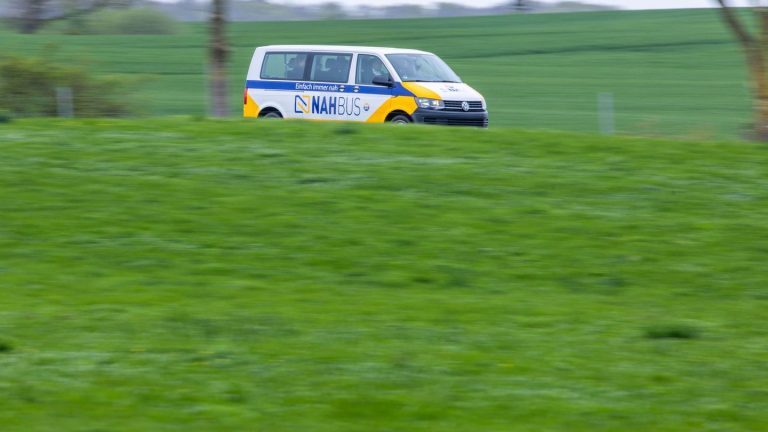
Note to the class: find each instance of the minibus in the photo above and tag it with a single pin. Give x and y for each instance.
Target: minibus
(366, 84)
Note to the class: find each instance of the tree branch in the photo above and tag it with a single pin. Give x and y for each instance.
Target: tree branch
(733, 22)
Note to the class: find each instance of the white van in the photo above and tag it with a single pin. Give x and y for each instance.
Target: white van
(366, 84)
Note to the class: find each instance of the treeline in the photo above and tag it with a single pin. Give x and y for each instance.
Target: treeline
(265, 10)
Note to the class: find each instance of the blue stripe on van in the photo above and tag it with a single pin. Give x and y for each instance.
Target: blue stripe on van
(397, 90)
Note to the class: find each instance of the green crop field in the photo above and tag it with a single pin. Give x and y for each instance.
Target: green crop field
(173, 274)
(672, 73)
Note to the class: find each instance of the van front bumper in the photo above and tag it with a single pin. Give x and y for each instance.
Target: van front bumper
(451, 118)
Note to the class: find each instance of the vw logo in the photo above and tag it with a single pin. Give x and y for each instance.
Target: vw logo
(465, 106)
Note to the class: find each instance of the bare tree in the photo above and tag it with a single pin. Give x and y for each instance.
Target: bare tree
(754, 47)
(32, 15)
(219, 54)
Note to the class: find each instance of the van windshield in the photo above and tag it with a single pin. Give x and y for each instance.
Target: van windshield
(422, 67)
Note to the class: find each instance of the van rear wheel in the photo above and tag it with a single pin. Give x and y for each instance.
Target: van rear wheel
(272, 115)
(400, 119)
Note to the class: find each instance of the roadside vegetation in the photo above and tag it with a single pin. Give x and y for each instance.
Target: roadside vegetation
(29, 86)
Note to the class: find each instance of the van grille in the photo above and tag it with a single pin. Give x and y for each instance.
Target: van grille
(478, 122)
(456, 106)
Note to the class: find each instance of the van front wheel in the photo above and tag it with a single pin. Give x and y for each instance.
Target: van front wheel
(400, 119)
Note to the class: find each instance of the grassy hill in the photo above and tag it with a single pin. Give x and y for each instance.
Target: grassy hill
(281, 276)
(673, 73)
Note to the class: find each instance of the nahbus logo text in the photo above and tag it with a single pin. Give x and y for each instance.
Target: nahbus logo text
(331, 105)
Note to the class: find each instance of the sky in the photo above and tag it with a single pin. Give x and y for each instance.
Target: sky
(624, 4)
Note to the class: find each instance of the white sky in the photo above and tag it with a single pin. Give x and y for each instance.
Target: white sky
(624, 4)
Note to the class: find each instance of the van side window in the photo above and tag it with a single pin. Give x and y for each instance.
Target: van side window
(368, 67)
(331, 67)
(284, 66)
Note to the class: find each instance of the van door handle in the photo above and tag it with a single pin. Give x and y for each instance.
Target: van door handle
(356, 89)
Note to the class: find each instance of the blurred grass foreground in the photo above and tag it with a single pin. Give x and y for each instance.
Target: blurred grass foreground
(281, 276)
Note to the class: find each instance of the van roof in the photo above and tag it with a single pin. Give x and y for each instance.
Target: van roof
(343, 48)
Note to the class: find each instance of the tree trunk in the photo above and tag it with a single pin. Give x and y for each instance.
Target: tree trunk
(219, 53)
(757, 67)
(754, 50)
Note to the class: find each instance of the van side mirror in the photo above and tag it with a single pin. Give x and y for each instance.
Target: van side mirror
(383, 80)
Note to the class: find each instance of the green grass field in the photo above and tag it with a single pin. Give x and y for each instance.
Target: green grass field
(282, 276)
(672, 73)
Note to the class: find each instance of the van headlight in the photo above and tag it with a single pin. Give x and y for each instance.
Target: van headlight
(427, 103)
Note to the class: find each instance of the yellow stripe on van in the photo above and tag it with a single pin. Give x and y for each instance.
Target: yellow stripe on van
(251, 108)
(398, 103)
(420, 91)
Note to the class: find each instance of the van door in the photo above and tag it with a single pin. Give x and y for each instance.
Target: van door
(323, 93)
(373, 99)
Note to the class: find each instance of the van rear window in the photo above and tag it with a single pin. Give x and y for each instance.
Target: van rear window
(284, 66)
